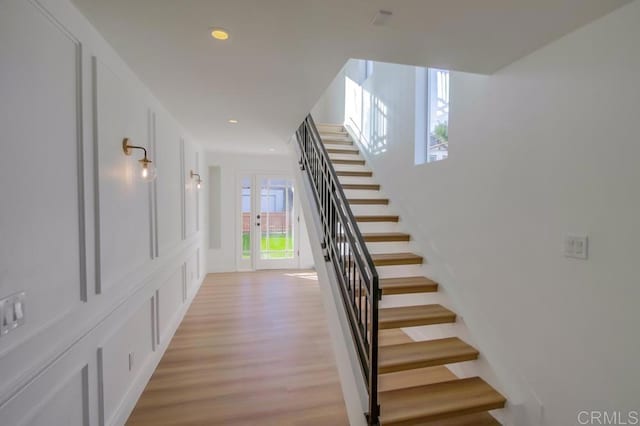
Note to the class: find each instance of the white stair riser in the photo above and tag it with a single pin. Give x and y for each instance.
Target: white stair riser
(329, 138)
(350, 167)
(359, 210)
(388, 247)
(378, 227)
(329, 127)
(363, 193)
(356, 179)
(399, 271)
(338, 143)
(345, 157)
(396, 300)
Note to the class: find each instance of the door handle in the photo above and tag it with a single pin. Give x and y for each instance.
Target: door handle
(258, 217)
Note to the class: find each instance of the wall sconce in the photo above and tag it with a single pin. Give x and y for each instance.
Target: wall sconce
(199, 181)
(148, 172)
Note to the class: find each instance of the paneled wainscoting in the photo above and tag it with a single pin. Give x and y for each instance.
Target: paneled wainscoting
(108, 262)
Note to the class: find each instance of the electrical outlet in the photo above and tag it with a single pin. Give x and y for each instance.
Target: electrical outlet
(576, 246)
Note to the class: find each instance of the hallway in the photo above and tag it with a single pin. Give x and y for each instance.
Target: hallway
(253, 348)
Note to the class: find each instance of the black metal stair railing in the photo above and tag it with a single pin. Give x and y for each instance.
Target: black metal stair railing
(344, 247)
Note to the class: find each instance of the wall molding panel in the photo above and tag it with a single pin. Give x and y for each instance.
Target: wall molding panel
(125, 235)
(42, 101)
(106, 279)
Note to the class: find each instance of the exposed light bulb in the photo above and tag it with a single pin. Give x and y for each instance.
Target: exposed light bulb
(148, 172)
(198, 185)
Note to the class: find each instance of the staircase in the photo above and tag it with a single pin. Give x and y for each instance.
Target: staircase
(411, 386)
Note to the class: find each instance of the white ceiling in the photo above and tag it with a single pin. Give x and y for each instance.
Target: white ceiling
(284, 53)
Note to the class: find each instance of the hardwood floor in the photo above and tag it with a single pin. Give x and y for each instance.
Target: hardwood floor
(254, 349)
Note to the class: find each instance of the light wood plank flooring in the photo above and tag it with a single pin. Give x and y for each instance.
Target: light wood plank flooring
(254, 349)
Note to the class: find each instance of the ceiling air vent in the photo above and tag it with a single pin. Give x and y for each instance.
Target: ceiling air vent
(381, 18)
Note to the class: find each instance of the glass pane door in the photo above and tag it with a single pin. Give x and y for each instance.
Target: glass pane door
(276, 221)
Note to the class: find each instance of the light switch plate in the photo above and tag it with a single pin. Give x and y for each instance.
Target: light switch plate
(12, 312)
(19, 308)
(3, 329)
(576, 246)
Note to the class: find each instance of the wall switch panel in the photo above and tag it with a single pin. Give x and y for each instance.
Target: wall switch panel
(12, 313)
(3, 329)
(576, 246)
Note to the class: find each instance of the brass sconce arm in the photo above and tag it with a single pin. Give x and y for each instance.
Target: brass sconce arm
(148, 170)
(127, 148)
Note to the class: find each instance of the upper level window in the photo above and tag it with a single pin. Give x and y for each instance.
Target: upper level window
(364, 71)
(438, 115)
(368, 69)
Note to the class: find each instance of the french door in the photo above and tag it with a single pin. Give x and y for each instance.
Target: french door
(268, 222)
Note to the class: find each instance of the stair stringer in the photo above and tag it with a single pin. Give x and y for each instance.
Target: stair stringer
(523, 408)
(353, 386)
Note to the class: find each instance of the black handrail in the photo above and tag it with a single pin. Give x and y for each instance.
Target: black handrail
(344, 246)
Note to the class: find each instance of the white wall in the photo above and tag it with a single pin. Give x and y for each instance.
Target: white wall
(109, 263)
(330, 106)
(528, 165)
(233, 166)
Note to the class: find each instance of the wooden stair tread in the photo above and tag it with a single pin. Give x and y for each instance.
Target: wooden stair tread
(379, 237)
(438, 401)
(416, 315)
(369, 201)
(358, 173)
(391, 259)
(475, 419)
(382, 237)
(361, 186)
(416, 377)
(377, 218)
(343, 161)
(405, 285)
(343, 151)
(407, 356)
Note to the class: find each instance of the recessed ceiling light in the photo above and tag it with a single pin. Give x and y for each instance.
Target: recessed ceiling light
(272, 150)
(233, 121)
(220, 34)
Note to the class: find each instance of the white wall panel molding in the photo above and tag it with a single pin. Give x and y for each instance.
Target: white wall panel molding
(122, 353)
(78, 324)
(80, 236)
(41, 163)
(191, 215)
(62, 396)
(155, 250)
(183, 219)
(119, 393)
(125, 234)
(169, 298)
(197, 191)
(168, 203)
